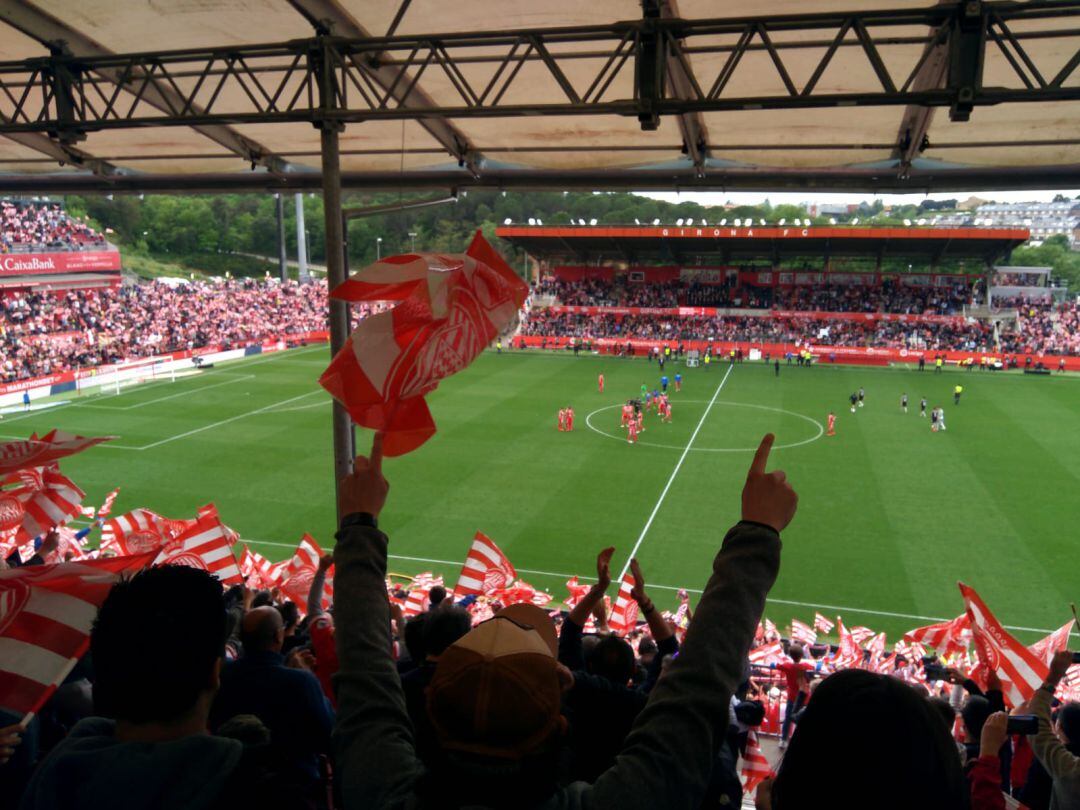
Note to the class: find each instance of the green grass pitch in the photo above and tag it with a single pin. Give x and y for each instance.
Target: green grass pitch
(890, 515)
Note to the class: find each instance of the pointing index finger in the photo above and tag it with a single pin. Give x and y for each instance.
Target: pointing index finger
(761, 456)
(376, 451)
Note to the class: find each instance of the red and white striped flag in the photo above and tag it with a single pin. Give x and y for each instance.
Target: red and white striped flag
(204, 546)
(756, 768)
(878, 661)
(418, 598)
(770, 630)
(1020, 670)
(107, 504)
(1045, 648)
(138, 531)
(46, 498)
(577, 592)
(46, 612)
(39, 451)
(486, 569)
(625, 613)
(767, 654)
(822, 624)
(802, 632)
(521, 591)
(850, 654)
(945, 637)
(300, 572)
(256, 570)
(861, 634)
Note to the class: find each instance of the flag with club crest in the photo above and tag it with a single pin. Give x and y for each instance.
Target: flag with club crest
(521, 591)
(756, 768)
(486, 569)
(44, 498)
(850, 654)
(1045, 648)
(946, 637)
(802, 632)
(204, 545)
(300, 572)
(448, 308)
(46, 612)
(40, 451)
(624, 614)
(822, 624)
(135, 532)
(1020, 670)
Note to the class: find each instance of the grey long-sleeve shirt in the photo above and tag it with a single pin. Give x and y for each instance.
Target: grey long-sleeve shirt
(669, 754)
(1062, 765)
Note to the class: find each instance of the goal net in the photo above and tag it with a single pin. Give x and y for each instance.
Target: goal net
(133, 372)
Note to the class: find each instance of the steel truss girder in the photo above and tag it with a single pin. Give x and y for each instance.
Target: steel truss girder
(372, 78)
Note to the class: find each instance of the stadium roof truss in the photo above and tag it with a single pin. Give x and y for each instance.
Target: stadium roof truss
(615, 94)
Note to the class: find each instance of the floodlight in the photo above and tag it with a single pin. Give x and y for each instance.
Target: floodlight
(762, 222)
(532, 221)
(723, 221)
(637, 221)
(656, 222)
(781, 222)
(689, 222)
(507, 221)
(539, 221)
(704, 222)
(679, 222)
(592, 221)
(832, 220)
(907, 222)
(738, 222)
(855, 221)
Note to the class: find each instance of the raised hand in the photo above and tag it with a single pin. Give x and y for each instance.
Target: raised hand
(603, 568)
(767, 497)
(637, 592)
(325, 561)
(1059, 665)
(993, 734)
(365, 489)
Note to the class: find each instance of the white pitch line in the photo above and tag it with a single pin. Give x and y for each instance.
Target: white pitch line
(838, 608)
(212, 425)
(671, 480)
(233, 379)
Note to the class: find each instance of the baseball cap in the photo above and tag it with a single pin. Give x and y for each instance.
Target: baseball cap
(495, 691)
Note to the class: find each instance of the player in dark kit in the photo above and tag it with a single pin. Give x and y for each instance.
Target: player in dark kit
(862, 396)
(854, 400)
(903, 402)
(922, 407)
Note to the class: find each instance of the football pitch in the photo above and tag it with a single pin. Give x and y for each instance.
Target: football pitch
(891, 515)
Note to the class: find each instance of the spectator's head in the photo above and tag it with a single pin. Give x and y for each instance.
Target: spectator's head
(494, 702)
(157, 645)
(887, 738)
(945, 709)
(436, 596)
(796, 653)
(647, 651)
(442, 628)
(290, 616)
(1068, 724)
(612, 658)
(975, 711)
(262, 630)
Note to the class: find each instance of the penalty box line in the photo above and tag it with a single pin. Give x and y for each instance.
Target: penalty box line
(675, 472)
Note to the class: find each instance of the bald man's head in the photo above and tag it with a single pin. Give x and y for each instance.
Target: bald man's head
(262, 630)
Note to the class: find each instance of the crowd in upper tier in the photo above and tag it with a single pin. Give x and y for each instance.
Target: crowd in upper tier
(43, 226)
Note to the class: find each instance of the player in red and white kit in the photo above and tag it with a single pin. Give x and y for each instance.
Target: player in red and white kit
(632, 432)
(666, 409)
(627, 414)
(569, 418)
(562, 419)
(641, 421)
(832, 424)
(600, 382)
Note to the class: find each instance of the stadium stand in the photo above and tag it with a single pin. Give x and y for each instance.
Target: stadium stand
(632, 706)
(27, 226)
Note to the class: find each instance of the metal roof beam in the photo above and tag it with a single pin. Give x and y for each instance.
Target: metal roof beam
(683, 84)
(328, 17)
(913, 136)
(61, 38)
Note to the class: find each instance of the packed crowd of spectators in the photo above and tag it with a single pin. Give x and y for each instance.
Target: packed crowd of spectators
(1050, 329)
(46, 333)
(969, 336)
(195, 696)
(888, 297)
(43, 226)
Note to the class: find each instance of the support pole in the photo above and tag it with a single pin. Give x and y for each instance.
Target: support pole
(283, 262)
(344, 437)
(301, 236)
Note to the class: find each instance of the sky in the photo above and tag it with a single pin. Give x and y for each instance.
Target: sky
(797, 197)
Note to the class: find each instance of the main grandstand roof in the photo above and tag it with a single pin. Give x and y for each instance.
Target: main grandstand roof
(671, 243)
(829, 94)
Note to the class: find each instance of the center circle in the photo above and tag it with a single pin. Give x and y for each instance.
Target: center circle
(817, 425)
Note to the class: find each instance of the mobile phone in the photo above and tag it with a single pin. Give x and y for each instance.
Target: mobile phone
(935, 672)
(1076, 657)
(1022, 724)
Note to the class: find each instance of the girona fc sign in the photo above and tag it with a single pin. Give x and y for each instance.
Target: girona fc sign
(11, 513)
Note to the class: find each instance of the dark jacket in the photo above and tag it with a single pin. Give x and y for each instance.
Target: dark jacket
(668, 757)
(289, 702)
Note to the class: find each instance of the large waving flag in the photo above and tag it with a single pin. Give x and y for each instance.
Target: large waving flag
(823, 624)
(204, 545)
(756, 768)
(945, 637)
(802, 632)
(486, 569)
(40, 451)
(1021, 671)
(449, 308)
(850, 654)
(45, 499)
(577, 592)
(46, 612)
(135, 532)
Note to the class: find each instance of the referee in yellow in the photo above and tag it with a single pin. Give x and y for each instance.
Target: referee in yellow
(957, 391)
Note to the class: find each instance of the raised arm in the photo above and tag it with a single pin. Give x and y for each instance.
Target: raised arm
(375, 757)
(318, 584)
(668, 757)
(1052, 753)
(658, 626)
(570, 639)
